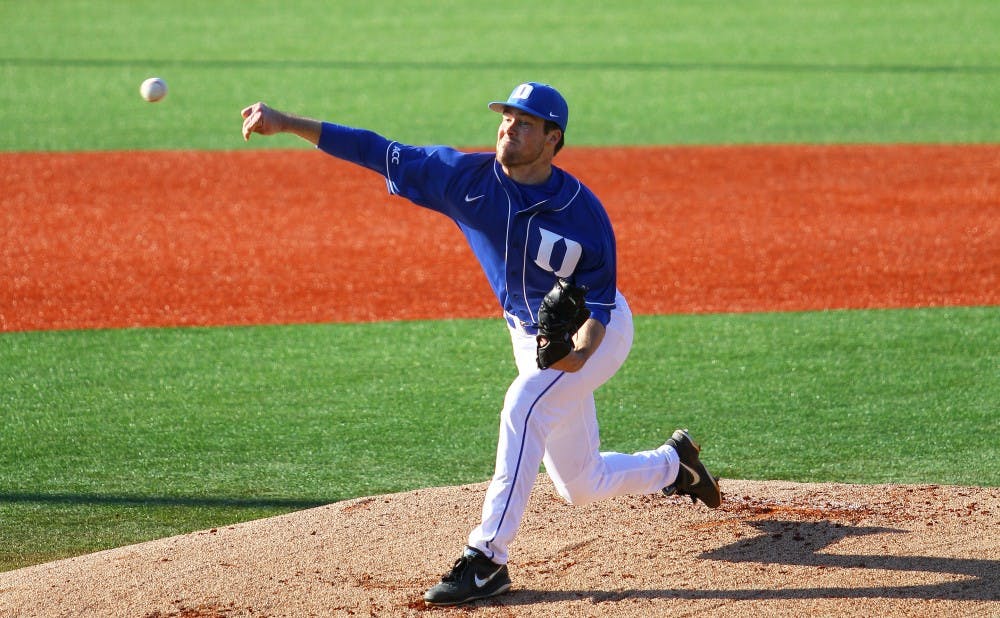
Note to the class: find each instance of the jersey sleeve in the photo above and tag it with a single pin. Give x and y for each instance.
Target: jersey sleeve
(600, 272)
(601, 289)
(359, 146)
(421, 174)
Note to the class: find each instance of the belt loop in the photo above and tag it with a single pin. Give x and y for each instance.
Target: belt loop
(516, 325)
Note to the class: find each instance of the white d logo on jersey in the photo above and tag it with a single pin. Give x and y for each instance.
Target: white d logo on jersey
(544, 260)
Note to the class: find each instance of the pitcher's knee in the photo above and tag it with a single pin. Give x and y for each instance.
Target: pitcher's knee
(577, 494)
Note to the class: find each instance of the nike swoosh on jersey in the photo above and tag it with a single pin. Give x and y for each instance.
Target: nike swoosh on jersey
(469, 198)
(480, 582)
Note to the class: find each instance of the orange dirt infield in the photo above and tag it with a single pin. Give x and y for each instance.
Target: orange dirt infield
(115, 239)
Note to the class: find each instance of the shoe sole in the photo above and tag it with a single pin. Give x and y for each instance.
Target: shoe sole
(502, 589)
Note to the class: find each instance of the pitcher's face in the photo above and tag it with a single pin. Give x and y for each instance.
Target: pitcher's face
(521, 139)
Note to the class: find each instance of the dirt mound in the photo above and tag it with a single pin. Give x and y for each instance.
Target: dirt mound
(774, 549)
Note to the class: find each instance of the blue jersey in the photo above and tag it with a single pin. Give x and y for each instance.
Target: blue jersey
(524, 236)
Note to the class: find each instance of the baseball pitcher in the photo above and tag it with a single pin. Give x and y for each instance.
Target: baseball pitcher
(547, 248)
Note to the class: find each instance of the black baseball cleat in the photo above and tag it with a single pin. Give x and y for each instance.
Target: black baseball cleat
(693, 479)
(473, 577)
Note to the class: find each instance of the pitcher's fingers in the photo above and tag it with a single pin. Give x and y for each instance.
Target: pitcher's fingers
(250, 124)
(246, 111)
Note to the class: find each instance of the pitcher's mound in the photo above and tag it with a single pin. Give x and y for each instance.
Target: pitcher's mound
(772, 549)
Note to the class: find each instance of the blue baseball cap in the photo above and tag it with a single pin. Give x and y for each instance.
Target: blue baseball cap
(537, 99)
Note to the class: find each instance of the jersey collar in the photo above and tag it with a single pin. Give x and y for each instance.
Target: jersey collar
(537, 198)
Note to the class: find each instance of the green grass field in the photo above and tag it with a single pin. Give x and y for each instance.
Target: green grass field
(113, 437)
(116, 436)
(643, 72)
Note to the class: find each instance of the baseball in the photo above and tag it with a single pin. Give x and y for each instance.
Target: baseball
(153, 89)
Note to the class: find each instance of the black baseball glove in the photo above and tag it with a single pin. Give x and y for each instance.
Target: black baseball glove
(561, 314)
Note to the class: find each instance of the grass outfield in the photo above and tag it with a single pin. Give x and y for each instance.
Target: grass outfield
(113, 437)
(641, 72)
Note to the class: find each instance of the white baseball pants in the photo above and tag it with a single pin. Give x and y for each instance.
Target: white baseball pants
(549, 417)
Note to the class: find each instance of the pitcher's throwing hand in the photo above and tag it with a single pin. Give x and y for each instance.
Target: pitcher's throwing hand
(258, 118)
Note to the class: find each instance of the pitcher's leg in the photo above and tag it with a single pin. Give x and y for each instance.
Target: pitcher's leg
(582, 473)
(523, 426)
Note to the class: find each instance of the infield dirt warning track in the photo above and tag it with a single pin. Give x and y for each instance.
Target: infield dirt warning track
(115, 239)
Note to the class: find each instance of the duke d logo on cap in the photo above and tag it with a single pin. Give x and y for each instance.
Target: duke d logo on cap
(539, 100)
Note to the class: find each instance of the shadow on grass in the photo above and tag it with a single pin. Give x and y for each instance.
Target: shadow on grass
(179, 501)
